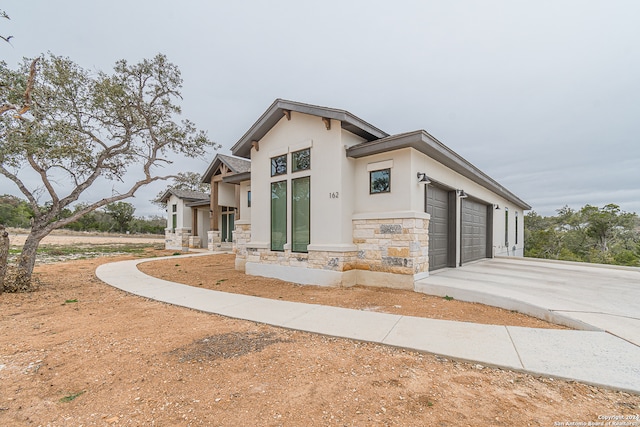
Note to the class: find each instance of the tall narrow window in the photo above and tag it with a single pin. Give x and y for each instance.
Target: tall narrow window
(506, 227)
(278, 215)
(249, 198)
(380, 181)
(301, 160)
(300, 214)
(516, 228)
(174, 214)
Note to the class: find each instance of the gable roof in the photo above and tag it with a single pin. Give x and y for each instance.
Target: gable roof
(276, 111)
(187, 195)
(235, 164)
(427, 144)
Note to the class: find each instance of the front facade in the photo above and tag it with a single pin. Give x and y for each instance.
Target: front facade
(186, 213)
(333, 200)
(224, 201)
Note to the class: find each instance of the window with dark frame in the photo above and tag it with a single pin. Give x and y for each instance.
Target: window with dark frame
(301, 160)
(278, 215)
(516, 228)
(249, 198)
(300, 214)
(380, 181)
(174, 214)
(279, 165)
(506, 226)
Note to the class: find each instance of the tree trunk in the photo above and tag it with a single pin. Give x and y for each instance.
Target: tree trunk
(4, 255)
(22, 281)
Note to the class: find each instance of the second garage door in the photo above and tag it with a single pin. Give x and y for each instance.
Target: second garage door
(474, 230)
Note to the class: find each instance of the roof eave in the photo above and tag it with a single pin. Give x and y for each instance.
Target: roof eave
(427, 144)
(275, 112)
(237, 178)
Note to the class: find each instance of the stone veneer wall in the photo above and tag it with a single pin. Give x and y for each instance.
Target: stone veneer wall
(178, 239)
(397, 245)
(241, 236)
(392, 245)
(214, 241)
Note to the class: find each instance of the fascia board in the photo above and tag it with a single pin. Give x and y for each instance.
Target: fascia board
(237, 178)
(206, 178)
(274, 114)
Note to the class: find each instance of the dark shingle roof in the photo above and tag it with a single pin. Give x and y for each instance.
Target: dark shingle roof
(188, 195)
(236, 165)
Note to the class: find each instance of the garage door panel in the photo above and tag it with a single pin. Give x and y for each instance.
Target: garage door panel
(474, 230)
(438, 209)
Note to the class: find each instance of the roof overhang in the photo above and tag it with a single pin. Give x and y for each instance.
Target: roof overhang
(218, 160)
(277, 111)
(237, 178)
(198, 203)
(427, 144)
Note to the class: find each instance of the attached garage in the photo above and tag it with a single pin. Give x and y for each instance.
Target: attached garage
(441, 206)
(475, 233)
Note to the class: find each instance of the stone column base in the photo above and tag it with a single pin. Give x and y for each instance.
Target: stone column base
(177, 239)
(214, 241)
(195, 242)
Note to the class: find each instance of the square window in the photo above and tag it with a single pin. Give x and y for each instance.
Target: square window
(279, 165)
(380, 181)
(301, 160)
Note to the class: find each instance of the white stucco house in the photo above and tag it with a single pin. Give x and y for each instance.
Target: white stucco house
(224, 204)
(205, 220)
(330, 199)
(185, 213)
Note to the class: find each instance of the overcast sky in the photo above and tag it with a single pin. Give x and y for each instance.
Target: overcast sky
(544, 95)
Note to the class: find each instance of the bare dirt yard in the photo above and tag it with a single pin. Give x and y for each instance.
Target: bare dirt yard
(80, 353)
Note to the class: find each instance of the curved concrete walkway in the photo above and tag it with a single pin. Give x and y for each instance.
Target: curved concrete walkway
(590, 356)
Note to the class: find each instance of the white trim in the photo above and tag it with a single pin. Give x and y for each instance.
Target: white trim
(343, 247)
(385, 164)
(301, 145)
(258, 245)
(302, 275)
(391, 215)
(278, 152)
(243, 222)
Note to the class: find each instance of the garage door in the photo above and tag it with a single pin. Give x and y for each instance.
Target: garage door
(438, 208)
(474, 230)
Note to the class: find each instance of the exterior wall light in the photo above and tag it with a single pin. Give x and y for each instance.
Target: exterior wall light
(496, 207)
(423, 178)
(462, 194)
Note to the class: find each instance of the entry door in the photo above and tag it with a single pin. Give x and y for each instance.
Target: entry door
(227, 224)
(438, 208)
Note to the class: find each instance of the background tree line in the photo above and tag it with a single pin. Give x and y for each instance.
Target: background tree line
(115, 217)
(604, 235)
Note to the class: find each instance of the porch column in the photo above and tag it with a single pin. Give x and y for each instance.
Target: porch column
(214, 206)
(194, 221)
(237, 190)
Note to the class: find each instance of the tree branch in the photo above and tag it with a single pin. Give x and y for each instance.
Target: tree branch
(23, 189)
(90, 208)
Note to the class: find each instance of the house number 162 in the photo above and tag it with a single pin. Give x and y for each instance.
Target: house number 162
(334, 195)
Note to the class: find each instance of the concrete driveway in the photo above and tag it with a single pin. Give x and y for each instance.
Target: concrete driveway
(584, 296)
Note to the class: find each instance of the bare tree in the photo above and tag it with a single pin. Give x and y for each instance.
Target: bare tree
(73, 129)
